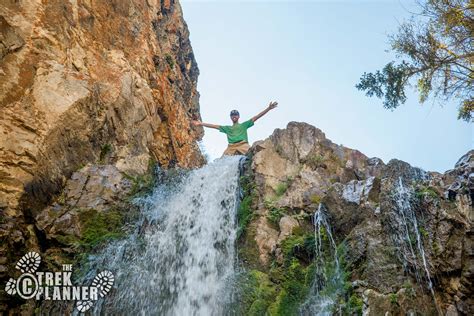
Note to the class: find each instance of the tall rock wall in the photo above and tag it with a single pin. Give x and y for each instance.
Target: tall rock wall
(396, 228)
(82, 77)
(88, 82)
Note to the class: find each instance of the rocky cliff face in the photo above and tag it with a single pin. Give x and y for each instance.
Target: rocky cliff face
(402, 236)
(95, 94)
(87, 82)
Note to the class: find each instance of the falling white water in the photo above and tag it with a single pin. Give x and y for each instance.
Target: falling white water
(328, 281)
(407, 229)
(181, 259)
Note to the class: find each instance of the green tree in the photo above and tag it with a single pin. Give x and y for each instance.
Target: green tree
(436, 48)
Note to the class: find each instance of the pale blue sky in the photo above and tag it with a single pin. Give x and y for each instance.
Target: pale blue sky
(308, 56)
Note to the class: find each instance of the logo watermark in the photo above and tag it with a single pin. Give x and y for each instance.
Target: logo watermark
(56, 286)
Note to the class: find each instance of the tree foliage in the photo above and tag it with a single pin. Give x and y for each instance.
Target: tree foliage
(436, 48)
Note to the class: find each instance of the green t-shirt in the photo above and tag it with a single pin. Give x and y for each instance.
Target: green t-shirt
(237, 132)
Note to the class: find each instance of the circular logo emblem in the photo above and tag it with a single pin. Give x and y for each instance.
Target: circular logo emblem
(27, 286)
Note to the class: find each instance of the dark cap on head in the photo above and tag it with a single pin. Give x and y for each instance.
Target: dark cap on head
(234, 112)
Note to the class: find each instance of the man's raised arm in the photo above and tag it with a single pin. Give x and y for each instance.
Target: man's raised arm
(199, 123)
(271, 106)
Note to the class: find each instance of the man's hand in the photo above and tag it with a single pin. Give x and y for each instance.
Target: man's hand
(199, 123)
(272, 105)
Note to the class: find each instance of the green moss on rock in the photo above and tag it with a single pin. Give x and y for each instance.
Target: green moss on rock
(142, 184)
(426, 191)
(315, 161)
(100, 226)
(294, 280)
(281, 188)
(245, 211)
(248, 249)
(275, 213)
(244, 215)
(258, 293)
(356, 305)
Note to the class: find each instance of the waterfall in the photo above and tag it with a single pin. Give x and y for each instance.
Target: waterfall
(180, 260)
(408, 237)
(328, 281)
